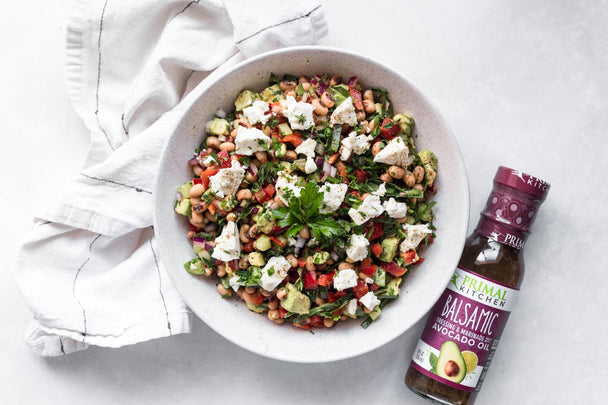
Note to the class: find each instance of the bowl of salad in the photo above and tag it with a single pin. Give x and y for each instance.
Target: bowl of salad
(311, 205)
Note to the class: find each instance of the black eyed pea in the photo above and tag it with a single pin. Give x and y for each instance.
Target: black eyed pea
(234, 132)
(197, 219)
(377, 147)
(396, 172)
(285, 85)
(197, 190)
(244, 194)
(244, 234)
(327, 100)
(261, 156)
(197, 170)
(223, 291)
(310, 265)
(320, 109)
(243, 263)
(306, 86)
(346, 265)
(274, 314)
(213, 142)
(368, 95)
(221, 270)
(409, 179)
(363, 276)
(369, 106)
(385, 177)
(418, 173)
(267, 130)
(231, 217)
(210, 217)
(272, 304)
(402, 220)
(190, 235)
(268, 294)
(320, 301)
(281, 294)
(418, 187)
(247, 297)
(227, 146)
(291, 155)
(335, 80)
(328, 322)
(293, 261)
(304, 232)
(251, 178)
(253, 231)
(250, 290)
(302, 80)
(277, 201)
(244, 122)
(291, 93)
(360, 115)
(279, 321)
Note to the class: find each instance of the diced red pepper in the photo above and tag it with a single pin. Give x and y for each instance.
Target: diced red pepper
(208, 172)
(224, 159)
(301, 262)
(325, 279)
(294, 139)
(361, 175)
(389, 128)
(377, 249)
(302, 326)
(310, 280)
(282, 311)
(276, 240)
(197, 181)
(333, 296)
(356, 96)
(266, 194)
(360, 289)
(394, 269)
(257, 298)
(316, 321)
(367, 267)
(248, 247)
(233, 264)
(409, 257)
(378, 230)
(373, 287)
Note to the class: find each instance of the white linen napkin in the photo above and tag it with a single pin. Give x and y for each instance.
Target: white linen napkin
(89, 269)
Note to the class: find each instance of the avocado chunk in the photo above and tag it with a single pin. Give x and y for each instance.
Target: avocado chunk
(405, 122)
(295, 301)
(262, 243)
(245, 99)
(265, 221)
(272, 94)
(284, 129)
(450, 364)
(320, 257)
(389, 249)
(184, 189)
(429, 161)
(218, 126)
(339, 93)
(392, 288)
(183, 207)
(256, 259)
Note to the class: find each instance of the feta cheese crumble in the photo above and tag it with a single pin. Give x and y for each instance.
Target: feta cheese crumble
(395, 153)
(274, 272)
(370, 208)
(344, 279)
(370, 301)
(344, 113)
(307, 148)
(227, 181)
(257, 112)
(414, 234)
(298, 114)
(251, 140)
(351, 307)
(333, 196)
(310, 166)
(286, 182)
(395, 209)
(234, 282)
(353, 143)
(227, 245)
(357, 248)
(381, 190)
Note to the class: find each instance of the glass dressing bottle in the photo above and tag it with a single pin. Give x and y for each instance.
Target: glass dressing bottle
(463, 329)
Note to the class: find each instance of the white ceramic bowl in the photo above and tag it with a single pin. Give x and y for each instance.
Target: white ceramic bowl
(422, 287)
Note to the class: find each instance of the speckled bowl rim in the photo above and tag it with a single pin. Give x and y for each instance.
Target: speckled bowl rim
(422, 287)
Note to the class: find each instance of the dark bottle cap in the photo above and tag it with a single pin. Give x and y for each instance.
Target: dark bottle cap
(512, 206)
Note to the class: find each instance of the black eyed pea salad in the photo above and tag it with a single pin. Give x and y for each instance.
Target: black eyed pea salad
(310, 201)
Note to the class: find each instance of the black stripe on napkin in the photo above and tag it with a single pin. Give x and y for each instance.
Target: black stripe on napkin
(279, 24)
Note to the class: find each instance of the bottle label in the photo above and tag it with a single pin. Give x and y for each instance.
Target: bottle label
(463, 330)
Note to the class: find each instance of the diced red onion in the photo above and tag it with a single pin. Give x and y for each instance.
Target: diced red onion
(253, 169)
(319, 161)
(300, 242)
(321, 88)
(334, 256)
(326, 168)
(314, 81)
(352, 81)
(254, 210)
(333, 171)
(229, 139)
(193, 161)
(201, 243)
(178, 196)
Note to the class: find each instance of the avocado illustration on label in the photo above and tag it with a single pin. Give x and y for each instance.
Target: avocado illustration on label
(451, 364)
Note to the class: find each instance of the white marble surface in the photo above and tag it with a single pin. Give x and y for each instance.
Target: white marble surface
(521, 83)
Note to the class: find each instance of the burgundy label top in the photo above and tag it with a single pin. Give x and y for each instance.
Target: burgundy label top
(511, 207)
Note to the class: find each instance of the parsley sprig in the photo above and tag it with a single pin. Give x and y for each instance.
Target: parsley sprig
(304, 210)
